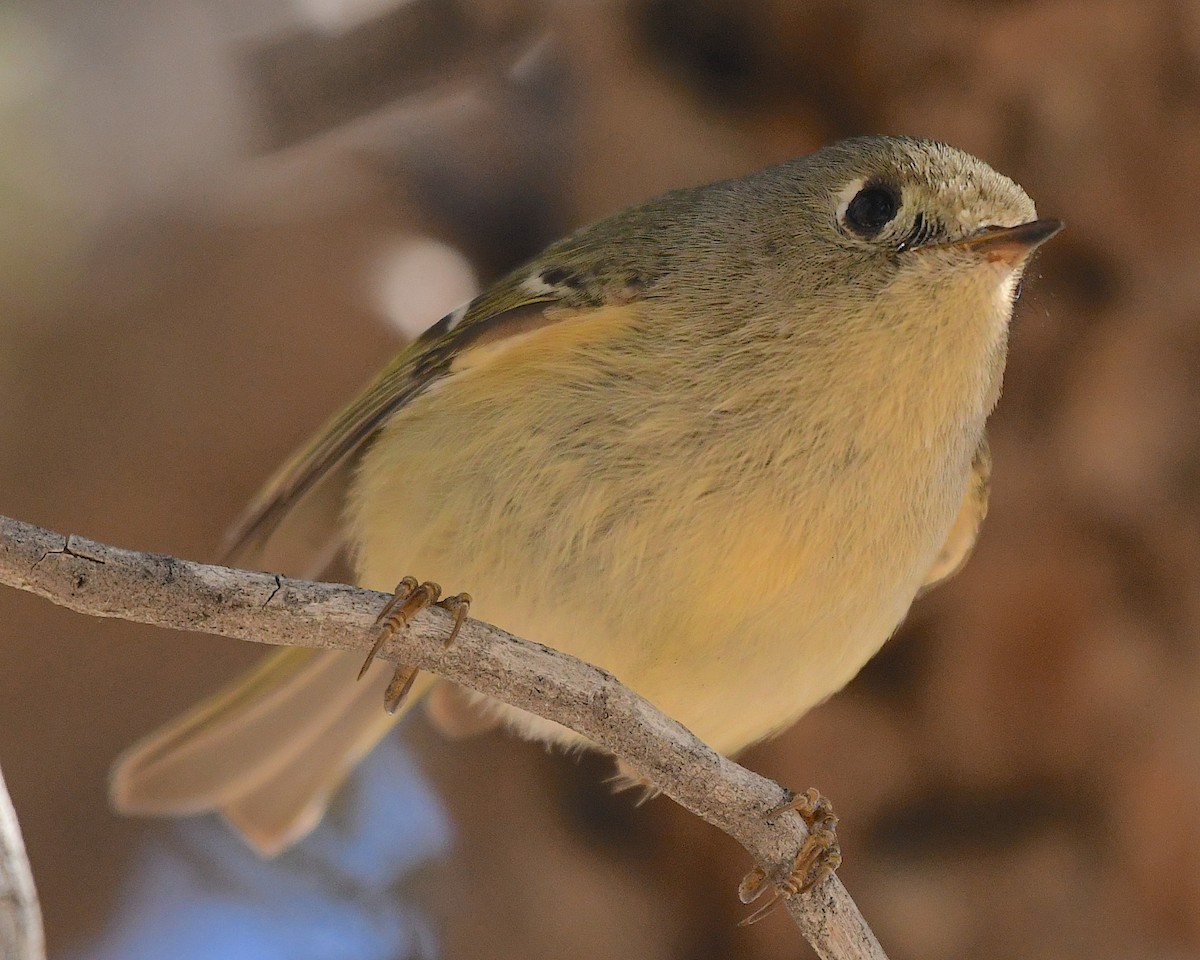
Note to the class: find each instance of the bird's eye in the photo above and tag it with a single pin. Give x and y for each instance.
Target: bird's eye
(872, 209)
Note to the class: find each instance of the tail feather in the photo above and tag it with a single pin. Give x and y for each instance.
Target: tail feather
(283, 808)
(269, 751)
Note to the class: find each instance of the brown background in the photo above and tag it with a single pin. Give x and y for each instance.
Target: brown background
(194, 201)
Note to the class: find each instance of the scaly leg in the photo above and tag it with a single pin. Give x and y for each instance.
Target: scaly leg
(820, 856)
(409, 599)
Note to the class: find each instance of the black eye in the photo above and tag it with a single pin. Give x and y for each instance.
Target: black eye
(871, 210)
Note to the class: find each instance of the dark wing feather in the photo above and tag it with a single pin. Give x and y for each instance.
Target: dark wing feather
(507, 309)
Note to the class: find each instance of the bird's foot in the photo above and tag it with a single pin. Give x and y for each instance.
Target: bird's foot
(820, 856)
(409, 599)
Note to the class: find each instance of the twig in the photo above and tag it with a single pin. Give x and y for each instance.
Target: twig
(21, 935)
(105, 581)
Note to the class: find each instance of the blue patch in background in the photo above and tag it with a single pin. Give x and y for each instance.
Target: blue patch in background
(198, 892)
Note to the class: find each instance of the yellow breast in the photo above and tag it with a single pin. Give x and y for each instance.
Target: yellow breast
(733, 543)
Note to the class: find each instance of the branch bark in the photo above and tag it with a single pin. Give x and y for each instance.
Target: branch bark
(21, 936)
(105, 581)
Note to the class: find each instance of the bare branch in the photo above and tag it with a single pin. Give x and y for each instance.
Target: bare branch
(21, 935)
(105, 581)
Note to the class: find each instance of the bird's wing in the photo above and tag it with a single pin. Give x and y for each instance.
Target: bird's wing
(557, 289)
(961, 540)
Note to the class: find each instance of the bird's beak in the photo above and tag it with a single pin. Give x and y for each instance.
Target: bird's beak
(1008, 245)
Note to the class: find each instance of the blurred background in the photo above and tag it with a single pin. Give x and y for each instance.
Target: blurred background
(219, 218)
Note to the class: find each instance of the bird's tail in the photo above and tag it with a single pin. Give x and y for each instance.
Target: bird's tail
(268, 751)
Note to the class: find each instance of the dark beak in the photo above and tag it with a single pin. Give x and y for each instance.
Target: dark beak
(1010, 245)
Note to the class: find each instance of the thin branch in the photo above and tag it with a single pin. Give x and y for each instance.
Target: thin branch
(105, 581)
(21, 936)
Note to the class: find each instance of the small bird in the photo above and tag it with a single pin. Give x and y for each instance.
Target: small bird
(715, 444)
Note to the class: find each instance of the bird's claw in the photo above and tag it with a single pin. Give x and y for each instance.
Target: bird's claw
(409, 599)
(817, 860)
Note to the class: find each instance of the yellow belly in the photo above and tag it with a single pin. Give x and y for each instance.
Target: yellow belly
(634, 534)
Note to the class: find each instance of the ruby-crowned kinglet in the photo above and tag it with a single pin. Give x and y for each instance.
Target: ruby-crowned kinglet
(715, 444)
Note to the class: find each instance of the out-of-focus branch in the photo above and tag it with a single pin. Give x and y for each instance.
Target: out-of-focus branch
(105, 581)
(20, 916)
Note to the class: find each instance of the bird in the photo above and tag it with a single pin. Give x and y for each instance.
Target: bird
(715, 444)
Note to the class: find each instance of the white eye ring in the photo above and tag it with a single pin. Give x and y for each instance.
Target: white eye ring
(868, 207)
(845, 195)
